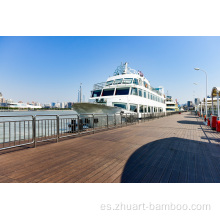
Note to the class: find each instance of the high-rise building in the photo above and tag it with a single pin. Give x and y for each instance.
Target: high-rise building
(189, 104)
(1, 98)
(62, 105)
(197, 101)
(70, 104)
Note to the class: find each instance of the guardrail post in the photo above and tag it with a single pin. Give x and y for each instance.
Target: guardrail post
(121, 119)
(34, 129)
(107, 121)
(58, 127)
(126, 119)
(78, 123)
(115, 120)
(93, 118)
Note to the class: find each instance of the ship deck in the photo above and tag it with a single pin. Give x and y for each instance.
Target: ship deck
(177, 148)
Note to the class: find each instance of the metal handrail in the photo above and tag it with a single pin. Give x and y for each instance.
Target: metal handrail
(25, 132)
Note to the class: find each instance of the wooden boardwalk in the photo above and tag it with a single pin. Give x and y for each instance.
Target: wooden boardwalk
(177, 148)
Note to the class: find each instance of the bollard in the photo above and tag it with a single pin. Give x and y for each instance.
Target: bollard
(208, 122)
(213, 122)
(218, 125)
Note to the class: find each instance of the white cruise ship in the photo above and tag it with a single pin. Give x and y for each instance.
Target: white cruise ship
(171, 106)
(129, 90)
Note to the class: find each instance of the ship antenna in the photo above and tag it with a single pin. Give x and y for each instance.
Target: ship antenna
(126, 67)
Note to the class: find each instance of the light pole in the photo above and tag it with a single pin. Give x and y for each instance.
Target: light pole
(193, 96)
(206, 90)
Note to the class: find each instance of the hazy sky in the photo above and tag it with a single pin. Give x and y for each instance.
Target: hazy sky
(47, 69)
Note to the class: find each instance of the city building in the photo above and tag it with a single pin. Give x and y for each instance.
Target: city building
(69, 104)
(190, 105)
(47, 105)
(197, 101)
(1, 98)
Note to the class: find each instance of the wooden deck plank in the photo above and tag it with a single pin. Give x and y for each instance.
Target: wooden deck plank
(177, 148)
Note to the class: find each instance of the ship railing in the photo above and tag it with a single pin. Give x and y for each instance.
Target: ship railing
(99, 86)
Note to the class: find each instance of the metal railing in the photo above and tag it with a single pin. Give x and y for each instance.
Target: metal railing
(16, 131)
(23, 130)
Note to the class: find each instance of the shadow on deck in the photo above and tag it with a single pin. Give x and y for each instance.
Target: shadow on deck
(190, 122)
(174, 160)
(190, 116)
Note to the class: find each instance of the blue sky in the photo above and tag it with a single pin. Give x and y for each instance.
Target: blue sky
(47, 69)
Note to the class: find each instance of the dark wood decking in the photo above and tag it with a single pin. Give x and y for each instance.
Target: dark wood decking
(177, 148)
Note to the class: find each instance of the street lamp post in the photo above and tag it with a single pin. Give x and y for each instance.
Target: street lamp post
(206, 90)
(194, 96)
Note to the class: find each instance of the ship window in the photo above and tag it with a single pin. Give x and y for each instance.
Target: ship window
(135, 81)
(121, 105)
(140, 92)
(149, 109)
(133, 108)
(118, 81)
(127, 81)
(134, 91)
(96, 93)
(140, 82)
(145, 94)
(145, 84)
(122, 91)
(108, 83)
(141, 109)
(108, 92)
